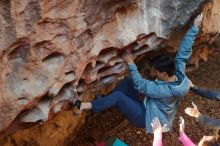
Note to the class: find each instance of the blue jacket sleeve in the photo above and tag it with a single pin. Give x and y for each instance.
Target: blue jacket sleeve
(209, 121)
(185, 50)
(209, 94)
(147, 87)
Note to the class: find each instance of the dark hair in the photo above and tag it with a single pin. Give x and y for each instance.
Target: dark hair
(215, 141)
(164, 63)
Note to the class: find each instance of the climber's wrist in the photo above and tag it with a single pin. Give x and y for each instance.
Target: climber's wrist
(130, 62)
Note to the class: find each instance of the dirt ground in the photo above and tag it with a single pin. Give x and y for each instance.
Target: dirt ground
(208, 75)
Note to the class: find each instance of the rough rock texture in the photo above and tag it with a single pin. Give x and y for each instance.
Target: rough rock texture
(53, 51)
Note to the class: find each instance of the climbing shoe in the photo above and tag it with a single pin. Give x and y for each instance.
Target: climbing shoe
(76, 104)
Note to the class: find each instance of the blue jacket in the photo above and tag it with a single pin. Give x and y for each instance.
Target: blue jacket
(163, 98)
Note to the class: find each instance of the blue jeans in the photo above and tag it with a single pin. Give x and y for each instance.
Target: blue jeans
(125, 98)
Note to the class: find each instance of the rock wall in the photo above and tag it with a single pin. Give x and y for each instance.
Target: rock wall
(55, 51)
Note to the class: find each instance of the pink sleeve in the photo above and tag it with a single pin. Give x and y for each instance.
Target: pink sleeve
(157, 139)
(186, 141)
